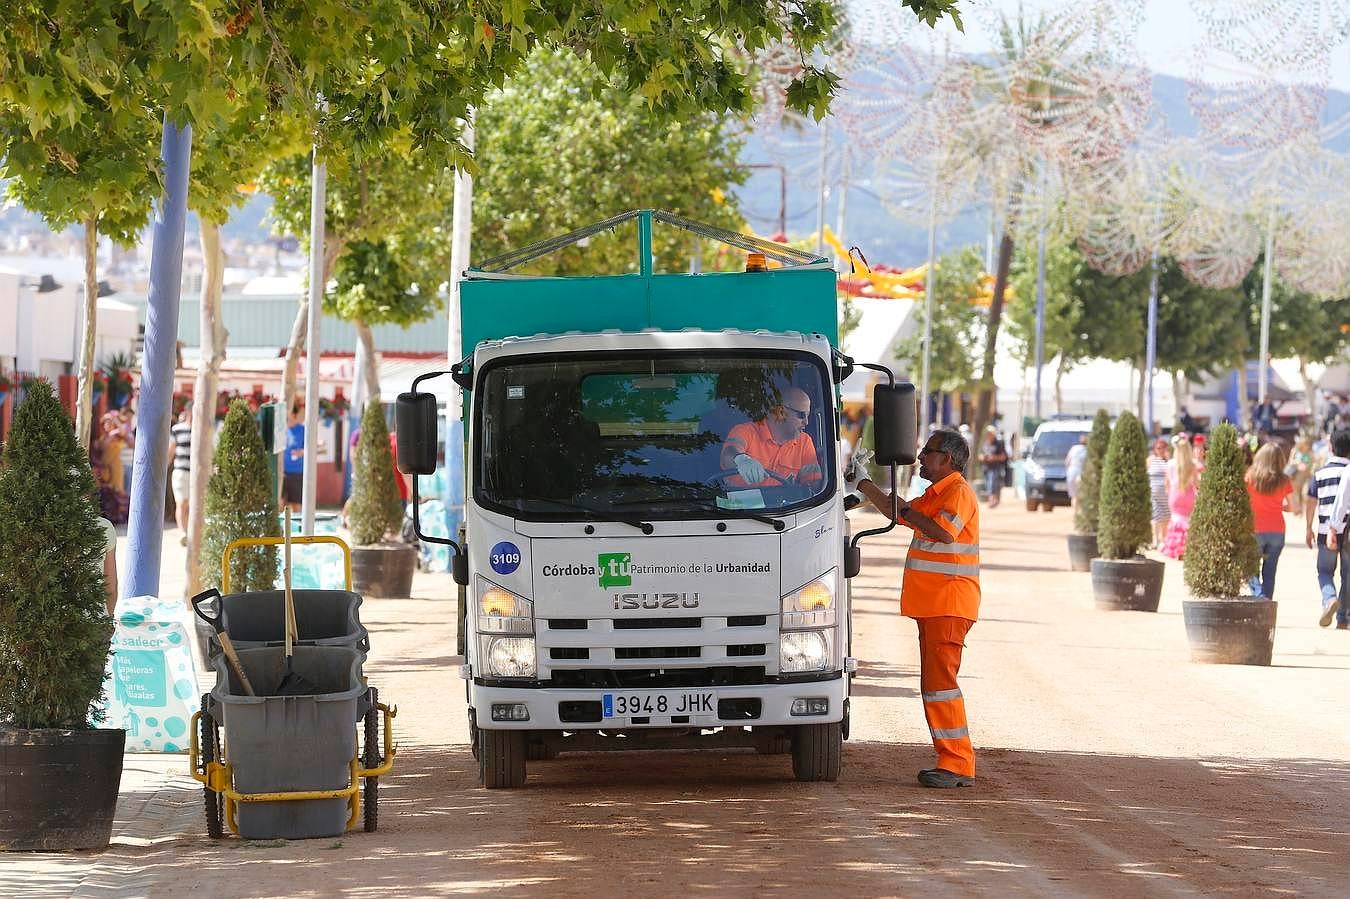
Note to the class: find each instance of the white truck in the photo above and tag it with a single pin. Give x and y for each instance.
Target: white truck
(622, 588)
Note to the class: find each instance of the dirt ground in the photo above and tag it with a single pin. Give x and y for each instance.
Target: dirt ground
(1109, 764)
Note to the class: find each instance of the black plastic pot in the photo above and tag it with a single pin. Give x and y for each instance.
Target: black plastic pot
(58, 788)
(1127, 585)
(385, 569)
(1231, 631)
(1082, 550)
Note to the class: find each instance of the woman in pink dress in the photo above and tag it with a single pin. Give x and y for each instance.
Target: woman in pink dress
(1182, 478)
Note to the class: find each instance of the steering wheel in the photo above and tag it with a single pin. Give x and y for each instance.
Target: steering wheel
(784, 480)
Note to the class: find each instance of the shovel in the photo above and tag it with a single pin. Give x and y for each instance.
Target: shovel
(291, 684)
(225, 643)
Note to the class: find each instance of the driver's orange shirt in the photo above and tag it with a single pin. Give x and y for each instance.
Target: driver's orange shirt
(787, 459)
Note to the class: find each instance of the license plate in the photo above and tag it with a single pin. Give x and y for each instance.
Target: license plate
(1058, 485)
(671, 702)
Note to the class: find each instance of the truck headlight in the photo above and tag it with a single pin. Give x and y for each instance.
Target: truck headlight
(805, 651)
(503, 612)
(811, 605)
(508, 656)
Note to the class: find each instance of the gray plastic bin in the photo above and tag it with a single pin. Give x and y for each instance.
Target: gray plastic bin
(323, 618)
(291, 743)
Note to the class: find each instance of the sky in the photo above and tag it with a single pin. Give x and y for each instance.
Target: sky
(1169, 34)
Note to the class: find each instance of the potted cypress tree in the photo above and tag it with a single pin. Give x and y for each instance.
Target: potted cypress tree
(240, 502)
(59, 775)
(382, 564)
(1122, 578)
(1221, 556)
(1086, 511)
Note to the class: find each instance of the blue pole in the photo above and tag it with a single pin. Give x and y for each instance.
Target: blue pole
(1151, 346)
(146, 531)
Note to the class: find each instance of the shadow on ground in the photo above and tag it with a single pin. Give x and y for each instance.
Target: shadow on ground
(714, 822)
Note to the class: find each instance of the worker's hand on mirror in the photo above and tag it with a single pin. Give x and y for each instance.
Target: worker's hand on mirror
(750, 469)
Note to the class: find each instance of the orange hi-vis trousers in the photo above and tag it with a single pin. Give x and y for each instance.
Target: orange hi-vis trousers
(941, 640)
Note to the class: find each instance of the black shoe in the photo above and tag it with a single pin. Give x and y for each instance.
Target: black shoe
(941, 778)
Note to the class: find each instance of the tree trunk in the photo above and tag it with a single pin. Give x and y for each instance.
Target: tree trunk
(1059, 377)
(1139, 396)
(213, 339)
(984, 405)
(1177, 400)
(1309, 390)
(369, 360)
(1242, 396)
(84, 412)
(291, 373)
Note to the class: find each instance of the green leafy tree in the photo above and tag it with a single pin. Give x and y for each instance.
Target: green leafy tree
(1087, 506)
(1125, 519)
(1221, 550)
(54, 625)
(957, 323)
(376, 507)
(1304, 326)
(559, 148)
(240, 503)
(1088, 315)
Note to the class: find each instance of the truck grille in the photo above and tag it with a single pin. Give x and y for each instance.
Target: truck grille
(619, 652)
(659, 678)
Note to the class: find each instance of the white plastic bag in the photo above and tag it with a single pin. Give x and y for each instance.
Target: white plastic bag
(151, 683)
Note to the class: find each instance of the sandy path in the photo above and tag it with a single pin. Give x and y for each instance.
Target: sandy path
(1109, 765)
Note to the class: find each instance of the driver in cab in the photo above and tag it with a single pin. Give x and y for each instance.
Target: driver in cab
(776, 448)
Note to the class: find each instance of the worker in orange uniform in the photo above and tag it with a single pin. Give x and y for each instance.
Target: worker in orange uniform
(775, 448)
(941, 592)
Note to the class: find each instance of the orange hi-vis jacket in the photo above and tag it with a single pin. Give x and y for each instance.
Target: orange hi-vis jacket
(944, 578)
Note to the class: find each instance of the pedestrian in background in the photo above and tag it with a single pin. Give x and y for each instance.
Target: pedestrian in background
(1183, 476)
(1268, 489)
(180, 478)
(993, 459)
(1074, 460)
(126, 425)
(293, 463)
(1328, 485)
(1157, 488)
(941, 592)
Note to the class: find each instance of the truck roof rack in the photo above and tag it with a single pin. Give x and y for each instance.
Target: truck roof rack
(787, 257)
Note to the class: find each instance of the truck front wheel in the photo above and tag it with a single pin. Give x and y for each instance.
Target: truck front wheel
(501, 758)
(817, 751)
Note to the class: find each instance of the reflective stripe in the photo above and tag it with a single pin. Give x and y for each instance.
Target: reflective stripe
(942, 567)
(954, 519)
(954, 733)
(942, 695)
(950, 549)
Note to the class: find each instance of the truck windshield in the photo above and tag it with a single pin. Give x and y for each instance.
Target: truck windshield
(673, 436)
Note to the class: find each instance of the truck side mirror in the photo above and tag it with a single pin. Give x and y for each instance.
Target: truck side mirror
(415, 423)
(895, 424)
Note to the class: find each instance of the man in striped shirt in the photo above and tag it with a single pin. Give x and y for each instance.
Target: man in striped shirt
(1326, 520)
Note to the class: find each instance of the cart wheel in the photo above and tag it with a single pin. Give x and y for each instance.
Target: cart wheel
(215, 815)
(372, 759)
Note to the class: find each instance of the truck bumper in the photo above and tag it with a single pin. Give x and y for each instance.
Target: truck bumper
(581, 710)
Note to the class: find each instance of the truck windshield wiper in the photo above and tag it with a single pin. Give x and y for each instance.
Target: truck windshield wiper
(776, 523)
(599, 514)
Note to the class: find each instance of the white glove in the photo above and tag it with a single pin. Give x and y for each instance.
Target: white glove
(750, 469)
(856, 469)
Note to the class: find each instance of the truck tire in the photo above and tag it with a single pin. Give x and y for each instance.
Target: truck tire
(501, 758)
(817, 751)
(1032, 505)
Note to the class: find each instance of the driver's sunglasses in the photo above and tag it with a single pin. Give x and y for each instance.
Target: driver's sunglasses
(801, 416)
(929, 450)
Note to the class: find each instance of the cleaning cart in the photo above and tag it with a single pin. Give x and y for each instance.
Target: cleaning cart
(275, 744)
